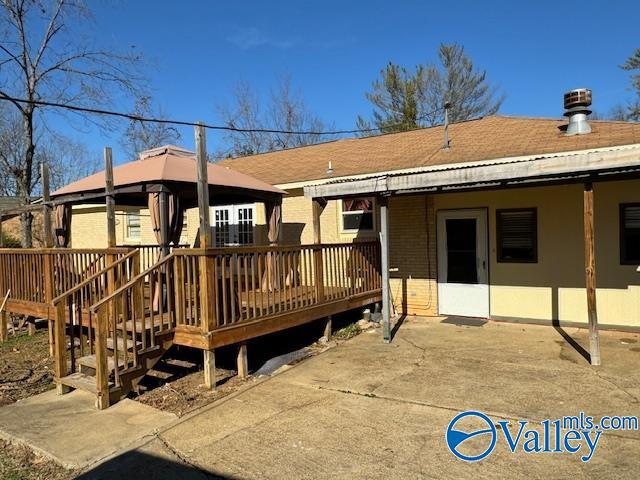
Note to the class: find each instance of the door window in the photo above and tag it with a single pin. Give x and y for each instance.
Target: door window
(233, 225)
(461, 250)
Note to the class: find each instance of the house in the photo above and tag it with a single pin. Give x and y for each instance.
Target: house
(485, 221)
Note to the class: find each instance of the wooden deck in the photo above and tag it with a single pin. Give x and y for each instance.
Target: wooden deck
(123, 317)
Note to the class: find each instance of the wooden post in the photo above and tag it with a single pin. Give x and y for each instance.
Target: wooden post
(109, 198)
(60, 343)
(46, 208)
(243, 361)
(1, 235)
(207, 298)
(102, 372)
(318, 205)
(384, 265)
(48, 243)
(31, 326)
(48, 293)
(209, 368)
(590, 274)
(3, 326)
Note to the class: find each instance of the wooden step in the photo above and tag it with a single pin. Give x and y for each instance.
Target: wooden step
(89, 361)
(156, 323)
(159, 374)
(120, 344)
(81, 381)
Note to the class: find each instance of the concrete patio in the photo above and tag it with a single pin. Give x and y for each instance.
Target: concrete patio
(370, 410)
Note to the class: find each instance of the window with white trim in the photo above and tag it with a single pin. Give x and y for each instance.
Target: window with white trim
(357, 214)
(132, 224)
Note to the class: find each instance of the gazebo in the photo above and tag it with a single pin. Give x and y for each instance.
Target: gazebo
(163, 179)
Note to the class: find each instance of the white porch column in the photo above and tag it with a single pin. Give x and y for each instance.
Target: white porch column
(384, 266)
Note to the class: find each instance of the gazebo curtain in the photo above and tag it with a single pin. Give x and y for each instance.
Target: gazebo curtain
(174, 221)
(175, 217)
(62, 225)
(270, 278)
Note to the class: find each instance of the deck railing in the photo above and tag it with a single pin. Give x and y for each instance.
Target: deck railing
(245, 285)
(150, 253)
(37, 275)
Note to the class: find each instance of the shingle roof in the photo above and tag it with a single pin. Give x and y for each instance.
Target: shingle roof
(487, 138)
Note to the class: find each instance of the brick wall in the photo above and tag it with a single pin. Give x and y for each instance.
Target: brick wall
(412, 251)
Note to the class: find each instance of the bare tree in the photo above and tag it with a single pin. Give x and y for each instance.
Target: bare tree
(140, 136)
(43, 58)
(68, 160)
(285, 110)
(405, 99)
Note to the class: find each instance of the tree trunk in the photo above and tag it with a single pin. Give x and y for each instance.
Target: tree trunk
(25, 182)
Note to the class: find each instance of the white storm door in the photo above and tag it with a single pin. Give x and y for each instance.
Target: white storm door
(233, 225)
(463, 286)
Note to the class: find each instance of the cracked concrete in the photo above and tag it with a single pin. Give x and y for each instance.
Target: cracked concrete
(370, 410)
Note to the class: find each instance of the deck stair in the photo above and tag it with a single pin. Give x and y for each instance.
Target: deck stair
(117, 342)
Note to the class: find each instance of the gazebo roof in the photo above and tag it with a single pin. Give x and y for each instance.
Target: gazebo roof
(167, 168)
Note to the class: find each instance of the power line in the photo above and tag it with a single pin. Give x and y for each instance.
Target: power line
(138, 118)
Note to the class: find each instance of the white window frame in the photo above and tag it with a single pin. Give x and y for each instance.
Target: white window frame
(356, 212)
(127, 226)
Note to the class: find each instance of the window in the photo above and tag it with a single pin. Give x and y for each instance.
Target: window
(357, 214)
(517, 235)
(630, 234)
(133, 225)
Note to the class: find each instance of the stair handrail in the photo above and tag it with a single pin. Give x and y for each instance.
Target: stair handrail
(90, 279)
(94, 308)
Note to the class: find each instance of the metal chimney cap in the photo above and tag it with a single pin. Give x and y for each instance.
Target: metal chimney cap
(577, 100)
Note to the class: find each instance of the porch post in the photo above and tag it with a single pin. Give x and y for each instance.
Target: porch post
(109, 198)
(384, 266)
(207, 307)
(590, 274)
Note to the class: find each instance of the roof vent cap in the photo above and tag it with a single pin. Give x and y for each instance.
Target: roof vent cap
(576, 104)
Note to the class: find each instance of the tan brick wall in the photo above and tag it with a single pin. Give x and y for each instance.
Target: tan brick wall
(412, 251)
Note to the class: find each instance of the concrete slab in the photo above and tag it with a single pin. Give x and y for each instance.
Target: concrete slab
(68, 428)
(369, 410)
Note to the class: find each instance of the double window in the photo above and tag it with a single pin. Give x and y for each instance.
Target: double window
(517, 235)
(357, 214)
(630, 234)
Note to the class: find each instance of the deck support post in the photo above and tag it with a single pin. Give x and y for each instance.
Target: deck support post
(384, 266)
(31, 327)
(207, 299)
(590, 274)
(328, 328)
(209, 358)
(243, 361)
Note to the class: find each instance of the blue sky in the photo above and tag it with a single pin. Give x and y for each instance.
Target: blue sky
(534, 51)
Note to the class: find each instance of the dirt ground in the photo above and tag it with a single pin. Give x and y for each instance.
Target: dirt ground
(185, 392)
(20, 463)
(25, 367)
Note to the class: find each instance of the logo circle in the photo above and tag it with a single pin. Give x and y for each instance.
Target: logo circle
(455, 438)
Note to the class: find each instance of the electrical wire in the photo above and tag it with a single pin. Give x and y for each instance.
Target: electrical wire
(138, 118)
